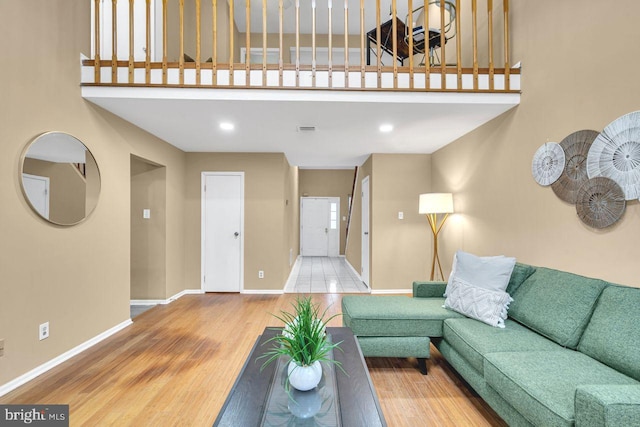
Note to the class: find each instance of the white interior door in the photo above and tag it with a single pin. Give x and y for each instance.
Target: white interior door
(320, 226)
(314, 226)
(37, 189)
(222, 231)
(364, 274)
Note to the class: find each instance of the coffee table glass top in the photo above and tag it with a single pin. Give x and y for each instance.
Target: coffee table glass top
(317, 407)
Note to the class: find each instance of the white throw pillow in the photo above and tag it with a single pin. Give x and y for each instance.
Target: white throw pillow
(492, 272)
(486, 305)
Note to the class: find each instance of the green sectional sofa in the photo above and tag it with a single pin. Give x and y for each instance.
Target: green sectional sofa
(569, 353)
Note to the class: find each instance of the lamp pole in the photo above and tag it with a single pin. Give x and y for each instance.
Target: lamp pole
(435, 229)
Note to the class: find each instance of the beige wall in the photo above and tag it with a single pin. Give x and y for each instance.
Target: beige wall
(329, 183)
(76, 278)
(573, 79)
(267, 241)
(400, 248)
(148, 236)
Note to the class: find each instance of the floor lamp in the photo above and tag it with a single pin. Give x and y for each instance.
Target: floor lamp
(437, 207)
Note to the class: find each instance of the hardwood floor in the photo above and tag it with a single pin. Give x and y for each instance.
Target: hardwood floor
(175, 365)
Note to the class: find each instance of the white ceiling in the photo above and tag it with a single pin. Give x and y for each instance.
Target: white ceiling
(267, 120)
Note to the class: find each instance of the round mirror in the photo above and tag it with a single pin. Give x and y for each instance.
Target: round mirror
(60, 178)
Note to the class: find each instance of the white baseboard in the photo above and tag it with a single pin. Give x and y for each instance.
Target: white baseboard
(293, 275)
(23, 379)
(166, 301)
(353, 270)
(262, 292)
(391, 291)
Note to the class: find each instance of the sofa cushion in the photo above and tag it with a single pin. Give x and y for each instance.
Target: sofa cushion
(491, 273)
(394, 315)
(556, 304)
(613, 333)
(521, 272)
(474, 340)
(486, 305)
(541, 385)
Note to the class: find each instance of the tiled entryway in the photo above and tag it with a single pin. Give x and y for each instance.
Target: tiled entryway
(325, 275)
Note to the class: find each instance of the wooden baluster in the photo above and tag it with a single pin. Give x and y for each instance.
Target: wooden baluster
(264, 42)
(164, 42)
(474, 14)
(507, 63)
(394, 32)
(443, 42)
(131, 41)
(330, 53)
(181, 59)
(346, 43)
(410, 5)
(96, 41)
(247, 49)
(490, 41)
(297, 43)
(214, 42)
(198, 41)
(313, 43)
(147, 57)
(362, 47)
(378, 49)
(231, 52)
(281, 46)
(458, 45)
(427, 47)
(114, 41)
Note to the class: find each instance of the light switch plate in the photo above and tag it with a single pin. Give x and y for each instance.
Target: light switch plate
(400, 215)
(146, 213)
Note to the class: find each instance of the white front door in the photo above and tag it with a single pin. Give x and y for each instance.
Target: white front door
(222, 231)
(314, 226)
(364, 274)
(37, 190)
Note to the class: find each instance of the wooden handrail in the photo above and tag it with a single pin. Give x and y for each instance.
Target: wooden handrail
(392, 39)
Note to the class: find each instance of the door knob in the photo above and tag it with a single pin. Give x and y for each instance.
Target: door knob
(236, 234)
(366, 233)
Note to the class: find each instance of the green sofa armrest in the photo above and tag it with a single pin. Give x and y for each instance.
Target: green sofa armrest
(607, 405)
(429, 289)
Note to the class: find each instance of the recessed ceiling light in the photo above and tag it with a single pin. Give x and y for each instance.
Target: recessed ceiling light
(386, 128)
(227, 126)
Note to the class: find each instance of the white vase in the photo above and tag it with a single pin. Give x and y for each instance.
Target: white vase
(304, 378)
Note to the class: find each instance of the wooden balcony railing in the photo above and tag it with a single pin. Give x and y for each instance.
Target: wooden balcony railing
(412, 45)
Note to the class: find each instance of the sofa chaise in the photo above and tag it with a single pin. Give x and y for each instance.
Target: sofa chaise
(569, 353)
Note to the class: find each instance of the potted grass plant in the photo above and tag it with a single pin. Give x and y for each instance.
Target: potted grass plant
(303, 339)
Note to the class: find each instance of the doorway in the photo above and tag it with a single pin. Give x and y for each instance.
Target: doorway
(222, 231)
(320, 226)
(364, 274)
(148, 279)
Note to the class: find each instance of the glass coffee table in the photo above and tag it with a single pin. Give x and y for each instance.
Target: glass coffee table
(260, 399)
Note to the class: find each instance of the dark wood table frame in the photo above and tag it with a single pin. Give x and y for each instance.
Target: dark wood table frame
(359, 404)
(402, 48)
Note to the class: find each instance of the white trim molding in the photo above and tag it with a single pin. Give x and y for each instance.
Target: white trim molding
(166, 301)
(23, 379)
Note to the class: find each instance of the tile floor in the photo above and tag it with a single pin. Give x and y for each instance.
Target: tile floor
(325, 275)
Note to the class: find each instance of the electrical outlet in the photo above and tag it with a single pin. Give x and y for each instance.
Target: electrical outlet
(260, 274)
(44, 331)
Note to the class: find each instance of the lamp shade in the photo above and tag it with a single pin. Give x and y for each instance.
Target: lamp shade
(434, 203)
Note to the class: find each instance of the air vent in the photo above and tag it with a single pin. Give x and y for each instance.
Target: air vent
(306, 128)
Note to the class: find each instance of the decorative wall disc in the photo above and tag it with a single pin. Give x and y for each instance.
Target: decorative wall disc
(615, 154)
(576, 148)
(600, 202)
(548, 163)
